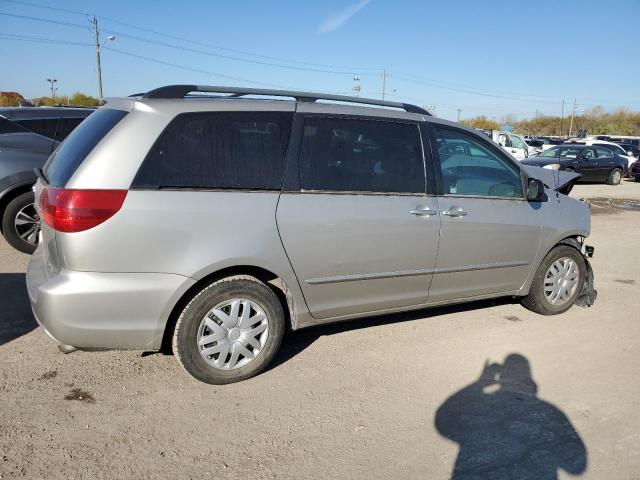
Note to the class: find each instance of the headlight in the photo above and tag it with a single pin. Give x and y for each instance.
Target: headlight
(552, 166)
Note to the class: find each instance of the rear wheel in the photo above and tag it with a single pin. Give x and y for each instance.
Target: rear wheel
(229, 331)
(557, 282)
(615, 176)
(21, 223)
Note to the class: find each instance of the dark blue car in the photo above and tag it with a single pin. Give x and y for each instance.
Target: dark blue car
(27, 137)
(594, 163)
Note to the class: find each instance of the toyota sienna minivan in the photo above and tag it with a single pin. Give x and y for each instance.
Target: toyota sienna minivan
(208, 220)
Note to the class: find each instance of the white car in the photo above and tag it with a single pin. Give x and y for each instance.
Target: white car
(512, 143)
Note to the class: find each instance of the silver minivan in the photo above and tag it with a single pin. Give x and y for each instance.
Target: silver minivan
(207, 220)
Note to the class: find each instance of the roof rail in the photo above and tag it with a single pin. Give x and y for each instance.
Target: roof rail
(181, 91)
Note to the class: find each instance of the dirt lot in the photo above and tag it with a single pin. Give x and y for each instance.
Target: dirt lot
(356, 400)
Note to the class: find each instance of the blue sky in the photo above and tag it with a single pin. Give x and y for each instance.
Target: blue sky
(484, 57)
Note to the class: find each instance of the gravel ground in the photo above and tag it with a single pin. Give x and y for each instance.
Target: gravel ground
(393, 397)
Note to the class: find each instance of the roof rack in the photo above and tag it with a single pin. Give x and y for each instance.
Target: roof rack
(181, 91)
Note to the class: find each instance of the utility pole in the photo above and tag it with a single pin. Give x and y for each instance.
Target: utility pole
(561, 116)
(573, 112)
(459, 110)
(96, 35)
(384, 83)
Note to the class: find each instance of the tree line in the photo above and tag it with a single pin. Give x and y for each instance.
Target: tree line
(78, 99)
(595, 121)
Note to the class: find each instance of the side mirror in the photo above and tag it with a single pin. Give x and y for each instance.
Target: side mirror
(535, 190)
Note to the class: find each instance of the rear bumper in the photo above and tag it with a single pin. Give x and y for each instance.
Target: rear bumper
(102, 310)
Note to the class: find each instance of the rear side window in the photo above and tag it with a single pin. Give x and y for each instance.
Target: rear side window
(42, 126)
(357, 155)
(604, 153)
(228, 150)
(70, 154)
(7, 126)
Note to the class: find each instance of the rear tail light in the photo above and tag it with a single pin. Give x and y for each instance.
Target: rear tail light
(71, 210)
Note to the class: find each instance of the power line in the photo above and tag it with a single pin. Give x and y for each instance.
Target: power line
(27, 38)
(39, 19)
(187, 49)
(348, 70)
(311, 67)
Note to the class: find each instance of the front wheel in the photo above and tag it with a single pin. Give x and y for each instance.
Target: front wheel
(229, 331)
(21, 223)
(557, 282)
(614, 177)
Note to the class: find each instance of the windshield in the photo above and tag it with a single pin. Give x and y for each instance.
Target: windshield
(562, 152)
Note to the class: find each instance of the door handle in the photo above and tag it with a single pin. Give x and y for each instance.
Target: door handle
(455, 212)
(423, 212)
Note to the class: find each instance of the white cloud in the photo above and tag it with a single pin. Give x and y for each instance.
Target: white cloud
(336, 21)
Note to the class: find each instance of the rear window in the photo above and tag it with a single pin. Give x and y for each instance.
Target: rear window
(66, 126)
(70, 154)
(219, 150)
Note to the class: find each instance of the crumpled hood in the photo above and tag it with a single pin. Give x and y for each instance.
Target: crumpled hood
(556, 180)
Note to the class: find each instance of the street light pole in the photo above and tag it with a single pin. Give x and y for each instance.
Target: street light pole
(459, 110)
(52, 81)
(573, 112)
(561, 117)
(384, 83)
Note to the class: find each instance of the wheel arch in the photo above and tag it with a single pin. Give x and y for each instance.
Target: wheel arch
(269, 278)
(572, 239)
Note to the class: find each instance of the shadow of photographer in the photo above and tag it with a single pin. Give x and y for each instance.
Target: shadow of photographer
(505, 431)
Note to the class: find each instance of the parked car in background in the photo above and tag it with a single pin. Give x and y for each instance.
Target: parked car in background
(594, 163)
(512, 143)
(27, 138)
(533, 141)
(630, 148)
(614, 147)
(634, 171)
(551, 141)
(635, 141)
(210, 225)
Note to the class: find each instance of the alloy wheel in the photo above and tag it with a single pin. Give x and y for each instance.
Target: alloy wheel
(27, 224)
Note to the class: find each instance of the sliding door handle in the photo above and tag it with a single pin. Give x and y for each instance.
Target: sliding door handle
(423, 212)
(455, 212)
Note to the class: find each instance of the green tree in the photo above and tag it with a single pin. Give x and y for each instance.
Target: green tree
(481, 122)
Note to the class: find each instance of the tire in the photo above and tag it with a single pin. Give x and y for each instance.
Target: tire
(195, 331)
(637, 179)
(17, 229)
(537, 300)
(615, 176)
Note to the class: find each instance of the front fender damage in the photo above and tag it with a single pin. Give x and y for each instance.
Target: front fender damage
(588, 293)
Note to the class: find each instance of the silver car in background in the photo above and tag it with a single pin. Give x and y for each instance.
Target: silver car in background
(210, 224)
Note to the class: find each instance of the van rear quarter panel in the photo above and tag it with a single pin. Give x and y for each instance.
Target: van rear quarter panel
(187, 232)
